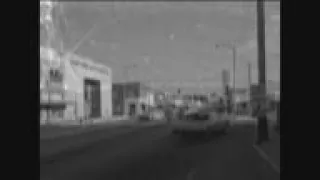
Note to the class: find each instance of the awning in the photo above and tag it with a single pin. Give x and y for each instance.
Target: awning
(57, 106)
(61, 104)
(53, 89)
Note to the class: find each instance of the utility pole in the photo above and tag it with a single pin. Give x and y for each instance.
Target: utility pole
(262, 125)
(249, 75)
(234, 54)
(126, 76)
(225, 84)
(231, 46)
(249, 88)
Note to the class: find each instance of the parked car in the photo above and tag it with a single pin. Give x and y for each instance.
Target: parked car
(143, 117)
(206, 120)
(157, 114)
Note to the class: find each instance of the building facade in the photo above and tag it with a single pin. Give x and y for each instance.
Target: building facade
(82, 88)
(132, 98)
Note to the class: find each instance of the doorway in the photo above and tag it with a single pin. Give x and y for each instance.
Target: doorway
(92, 98)
(143, 108)
(132, 109)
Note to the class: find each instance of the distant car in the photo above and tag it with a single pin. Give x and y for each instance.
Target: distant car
(144, 117)
(206, 120)
(157, 114)
(178, 102)
(198, 103)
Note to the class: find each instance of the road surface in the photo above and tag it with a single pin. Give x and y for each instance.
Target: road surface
(153, 153)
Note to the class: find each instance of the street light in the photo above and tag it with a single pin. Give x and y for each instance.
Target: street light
(233, 48)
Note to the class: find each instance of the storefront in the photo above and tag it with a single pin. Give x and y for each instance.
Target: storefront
(91, 84)
(52, 92)
(120, 93)
(132, 98)
(83, 90)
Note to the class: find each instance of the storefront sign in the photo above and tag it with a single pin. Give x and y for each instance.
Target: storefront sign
(90, 67)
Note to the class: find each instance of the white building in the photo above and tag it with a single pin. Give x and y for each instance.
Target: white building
(85, 89)
(78, 71)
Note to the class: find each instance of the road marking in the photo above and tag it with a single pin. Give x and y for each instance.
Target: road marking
(267, 158)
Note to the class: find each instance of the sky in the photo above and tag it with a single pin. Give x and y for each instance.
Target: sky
(171, 45)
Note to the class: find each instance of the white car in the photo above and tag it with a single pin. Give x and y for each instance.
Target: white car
(157, 115)
(202, 120)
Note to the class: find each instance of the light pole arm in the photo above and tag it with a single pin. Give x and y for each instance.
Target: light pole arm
(80, 42)
(233, 48)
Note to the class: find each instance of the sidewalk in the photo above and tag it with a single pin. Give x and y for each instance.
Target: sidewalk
(270, 150)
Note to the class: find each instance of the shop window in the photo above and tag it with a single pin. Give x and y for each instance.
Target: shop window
(143, 107)
(55, 75)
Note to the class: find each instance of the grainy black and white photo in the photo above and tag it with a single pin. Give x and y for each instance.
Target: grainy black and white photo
(152, 90)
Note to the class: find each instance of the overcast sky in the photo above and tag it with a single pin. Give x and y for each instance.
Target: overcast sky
(173, 43)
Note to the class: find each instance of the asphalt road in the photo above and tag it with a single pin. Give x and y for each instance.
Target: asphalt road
(154, 153)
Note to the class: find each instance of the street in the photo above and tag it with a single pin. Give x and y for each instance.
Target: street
(154, 153)
(114, 76)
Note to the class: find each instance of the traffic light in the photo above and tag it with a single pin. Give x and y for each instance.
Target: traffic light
(179, 91)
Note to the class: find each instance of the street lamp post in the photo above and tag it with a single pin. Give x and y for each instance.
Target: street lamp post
(234, 51)
(75, 106)
(249, 88)
(233, 48)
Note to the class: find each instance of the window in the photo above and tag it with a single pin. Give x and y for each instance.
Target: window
(220, 109)
(55, 75)
(143, 107)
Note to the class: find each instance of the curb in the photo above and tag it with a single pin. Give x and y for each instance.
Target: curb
(68, 134)
(81, 147)
(267, 158)
(82, 130)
